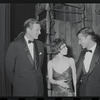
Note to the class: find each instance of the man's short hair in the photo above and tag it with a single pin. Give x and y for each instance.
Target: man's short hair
(87, 31)
(29, 22)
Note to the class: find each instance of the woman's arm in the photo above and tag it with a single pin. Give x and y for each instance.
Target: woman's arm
(72, 62)
(50, 77)
(50, 73)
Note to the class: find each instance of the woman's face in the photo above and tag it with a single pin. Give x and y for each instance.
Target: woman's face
(63, 49)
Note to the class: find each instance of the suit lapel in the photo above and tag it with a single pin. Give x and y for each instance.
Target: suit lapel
(36, 55)
(80, 65)
(27, 51)
(94, 59)
(39, 53)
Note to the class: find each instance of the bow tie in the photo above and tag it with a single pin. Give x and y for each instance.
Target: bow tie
(29, 41)
(88, 50)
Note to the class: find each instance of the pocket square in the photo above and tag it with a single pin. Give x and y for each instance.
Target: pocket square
(40, 53)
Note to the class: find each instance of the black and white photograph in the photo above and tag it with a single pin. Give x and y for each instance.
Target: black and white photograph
(50, 51)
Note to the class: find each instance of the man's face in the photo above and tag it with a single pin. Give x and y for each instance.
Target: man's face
(34, 31)
(83, 40)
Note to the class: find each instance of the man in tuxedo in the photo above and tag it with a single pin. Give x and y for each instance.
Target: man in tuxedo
(24, 60)
(88, 64)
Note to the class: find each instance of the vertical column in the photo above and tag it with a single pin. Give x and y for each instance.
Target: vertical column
(93, 16)
(36, 11)
(83, 15)
(48, 41)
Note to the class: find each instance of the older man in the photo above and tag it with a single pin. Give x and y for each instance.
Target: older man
(24, 59)
(88, 65)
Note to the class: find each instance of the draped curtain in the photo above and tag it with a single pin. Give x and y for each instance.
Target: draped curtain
(5, 86)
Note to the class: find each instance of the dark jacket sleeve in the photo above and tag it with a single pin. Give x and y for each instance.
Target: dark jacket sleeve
(43, 54)
(10, 61)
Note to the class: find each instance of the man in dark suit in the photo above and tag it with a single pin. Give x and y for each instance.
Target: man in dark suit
(24, 59)
(88, 64)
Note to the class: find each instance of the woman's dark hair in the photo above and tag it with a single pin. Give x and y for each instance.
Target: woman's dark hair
(56, 44)
(87, 31)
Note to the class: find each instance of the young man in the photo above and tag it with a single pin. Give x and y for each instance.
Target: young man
(88, 65)
(24, 59)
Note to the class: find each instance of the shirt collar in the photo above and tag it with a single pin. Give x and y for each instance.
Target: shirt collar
(93, 48)
(26, 38)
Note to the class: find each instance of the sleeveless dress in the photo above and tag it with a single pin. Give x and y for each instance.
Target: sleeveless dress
(57, 90)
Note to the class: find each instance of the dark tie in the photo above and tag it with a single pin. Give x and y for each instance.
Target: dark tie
(84, 52)
(87, 51)
(83, 56)
(29, 41)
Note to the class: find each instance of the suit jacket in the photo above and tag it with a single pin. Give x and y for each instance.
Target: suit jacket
(21, 70)
(90, 83)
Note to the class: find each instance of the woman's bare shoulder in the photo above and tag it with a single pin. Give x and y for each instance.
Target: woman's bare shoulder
(71, 60)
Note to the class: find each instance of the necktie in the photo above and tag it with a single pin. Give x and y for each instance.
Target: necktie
(36, 56)
(84, 52)
(87, 51)
(29, 41)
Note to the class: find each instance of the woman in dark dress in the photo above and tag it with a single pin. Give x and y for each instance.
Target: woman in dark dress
(61, 70)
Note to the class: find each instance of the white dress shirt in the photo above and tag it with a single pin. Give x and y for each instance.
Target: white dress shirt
(88, 58)
(30, 47)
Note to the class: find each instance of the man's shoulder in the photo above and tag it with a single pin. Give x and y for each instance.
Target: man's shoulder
(39, 42)
(16, 41)
(98, 46)
(13, 44)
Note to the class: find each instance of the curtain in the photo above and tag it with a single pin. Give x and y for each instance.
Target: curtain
(5, 86)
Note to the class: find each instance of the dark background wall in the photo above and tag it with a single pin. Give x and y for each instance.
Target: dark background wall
(18, 14)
